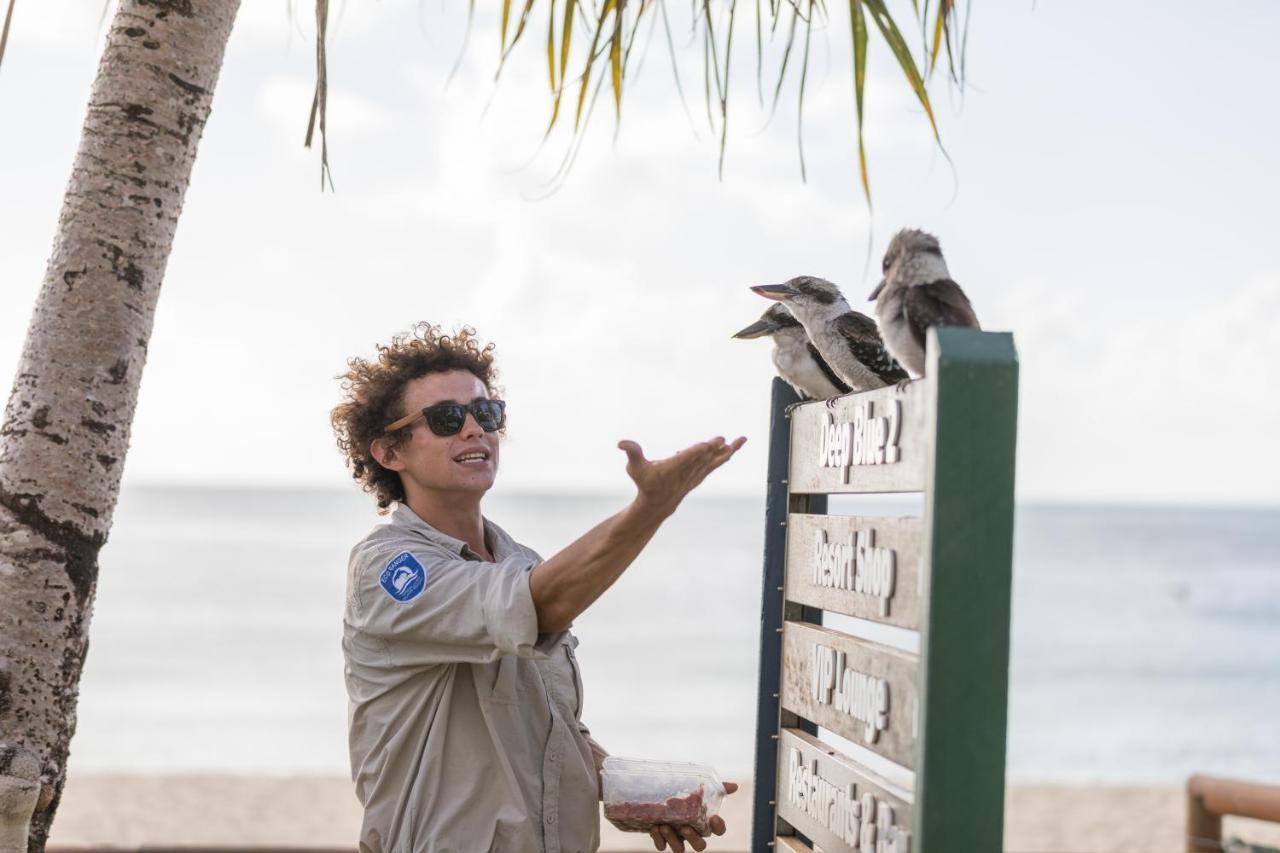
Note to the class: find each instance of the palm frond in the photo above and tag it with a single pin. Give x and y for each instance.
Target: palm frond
(4, 32)
(898, 46)
(551, 48)
(319, 101)
(804, 74)
(858, 21)
(616, 24)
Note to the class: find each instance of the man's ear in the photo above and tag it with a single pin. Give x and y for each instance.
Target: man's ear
(385, 455)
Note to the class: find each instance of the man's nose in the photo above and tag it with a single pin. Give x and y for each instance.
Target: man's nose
(470, 427)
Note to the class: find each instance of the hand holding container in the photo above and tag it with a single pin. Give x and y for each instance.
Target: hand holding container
(640, 794)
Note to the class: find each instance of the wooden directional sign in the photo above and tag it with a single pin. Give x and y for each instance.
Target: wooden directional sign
(841, 805)
(870, 442)
(862, 691)
(940, 713)
(865, 567)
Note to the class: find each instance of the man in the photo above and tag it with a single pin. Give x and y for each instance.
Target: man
(465, 699)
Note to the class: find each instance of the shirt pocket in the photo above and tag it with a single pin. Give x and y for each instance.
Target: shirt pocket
(575, 675)
(496, 681)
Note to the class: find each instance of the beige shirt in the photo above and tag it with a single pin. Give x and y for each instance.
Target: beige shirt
(465, 722)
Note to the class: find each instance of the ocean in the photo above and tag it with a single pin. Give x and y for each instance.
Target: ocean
(1145, 641)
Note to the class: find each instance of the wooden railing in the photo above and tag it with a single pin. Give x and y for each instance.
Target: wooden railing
(1210, 799)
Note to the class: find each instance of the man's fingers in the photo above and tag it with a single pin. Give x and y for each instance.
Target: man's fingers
(732, 447)
(702, 452)
(658, 842)
(722, 455)
(635, 456)
(672, 839)
(717, 825)
(730, 787)
(695, 840)
(724, 450)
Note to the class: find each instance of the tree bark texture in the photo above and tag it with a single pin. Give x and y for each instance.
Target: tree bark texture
(67, 423)
(19, 795)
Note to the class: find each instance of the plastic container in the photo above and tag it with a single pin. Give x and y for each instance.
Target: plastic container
(640, 794)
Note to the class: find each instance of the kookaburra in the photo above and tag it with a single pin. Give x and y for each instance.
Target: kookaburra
(917, 292)
(849, 341)
(794, 355)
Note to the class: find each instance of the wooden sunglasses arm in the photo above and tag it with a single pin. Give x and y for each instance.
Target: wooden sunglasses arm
(403, 422)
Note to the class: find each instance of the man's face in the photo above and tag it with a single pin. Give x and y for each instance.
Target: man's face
(435, 462)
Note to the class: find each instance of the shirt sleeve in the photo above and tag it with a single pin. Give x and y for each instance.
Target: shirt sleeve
(427, 608)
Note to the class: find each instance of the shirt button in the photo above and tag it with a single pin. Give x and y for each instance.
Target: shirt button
(554, 756)
(551, 819)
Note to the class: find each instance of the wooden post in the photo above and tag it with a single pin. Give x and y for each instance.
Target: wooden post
(968, 548)
(938, 717)
(777, 505)
(1204, 828)
(1208, 799)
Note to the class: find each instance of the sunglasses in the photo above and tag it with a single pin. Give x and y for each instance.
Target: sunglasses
(447, 418)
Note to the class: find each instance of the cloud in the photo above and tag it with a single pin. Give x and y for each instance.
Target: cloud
(1160, 404)
(56, 26)
(612, 299)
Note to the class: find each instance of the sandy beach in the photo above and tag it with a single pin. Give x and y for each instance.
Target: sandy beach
(131, 811)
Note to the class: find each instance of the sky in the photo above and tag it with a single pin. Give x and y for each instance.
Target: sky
(1110, 197)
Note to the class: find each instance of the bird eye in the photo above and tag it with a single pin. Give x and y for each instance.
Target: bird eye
(888, 262)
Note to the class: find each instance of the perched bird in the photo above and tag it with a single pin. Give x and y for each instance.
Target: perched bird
(794, 355)
(917, 292)
(847, 340)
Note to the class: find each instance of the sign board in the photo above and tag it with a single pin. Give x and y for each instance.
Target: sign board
(937, 716)
(865, 567)
(862, 691)
(870, 442)
(837, 803)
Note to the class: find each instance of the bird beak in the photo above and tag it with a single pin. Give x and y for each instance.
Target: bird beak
(876, 292)
(758, 329)
(778, 292)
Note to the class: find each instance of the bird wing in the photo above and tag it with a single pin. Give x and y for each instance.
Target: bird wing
(938, 303)
(863, 338)
(826, 369)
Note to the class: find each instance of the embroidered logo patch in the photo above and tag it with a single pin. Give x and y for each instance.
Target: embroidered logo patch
(404, 577)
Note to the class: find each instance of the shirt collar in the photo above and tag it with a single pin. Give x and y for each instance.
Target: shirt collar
(403, 517)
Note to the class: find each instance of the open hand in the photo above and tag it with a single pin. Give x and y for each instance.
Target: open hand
(676, 836)
(663, 483)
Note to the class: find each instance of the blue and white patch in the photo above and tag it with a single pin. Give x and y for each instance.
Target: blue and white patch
(404, 577)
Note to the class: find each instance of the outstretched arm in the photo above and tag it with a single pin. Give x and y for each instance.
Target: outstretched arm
(568, 583)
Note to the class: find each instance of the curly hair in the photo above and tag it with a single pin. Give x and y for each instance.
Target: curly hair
(373, 396)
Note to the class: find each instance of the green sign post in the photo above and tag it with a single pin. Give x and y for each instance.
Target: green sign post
(933, 713)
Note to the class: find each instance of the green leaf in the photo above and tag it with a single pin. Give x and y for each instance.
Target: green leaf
(615, 61)
(724, 92)
(859, 22)
(520, 26)
(566, 37)
(759, 55)
(551, 48)
(4, 33)
(466, 37)
(506, 17)
(675, 68)
(590, 63)
(939, 27)
(902, 53)
(786, 56)
(319, 101)
(804, 75)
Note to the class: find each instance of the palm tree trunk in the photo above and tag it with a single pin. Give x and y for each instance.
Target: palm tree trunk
(67, 423)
